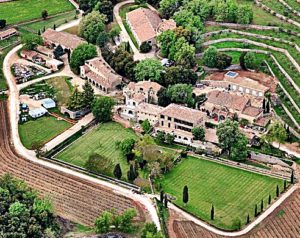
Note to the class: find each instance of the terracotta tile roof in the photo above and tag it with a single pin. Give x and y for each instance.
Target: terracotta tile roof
(228, 100)
(166, 25)
(247, 83)
(138, 97)
(29, 53)
(104, 82)
(252, 111)
(263, 121)
(144, 23)
(103, 68)
(149, 108)
(147, 85)
(8, 32)
(62, 38)
(183, 113)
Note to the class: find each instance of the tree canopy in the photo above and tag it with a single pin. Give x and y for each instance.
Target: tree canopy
(232, 140)
(102, 108)
(80, 54)
(149, 69)
(31, 41)
(91, 26)
(23, 213)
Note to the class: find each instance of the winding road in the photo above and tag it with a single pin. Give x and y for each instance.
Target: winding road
(76, 196)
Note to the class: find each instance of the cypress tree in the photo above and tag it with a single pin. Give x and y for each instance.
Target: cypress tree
(44, 29)
(268, 107)
(118, 171)
(261, 205)
(212, 212)
(248, 219)
(270, 199)
(277, 191)
(292, 177)
(39, 32)
(284, 185)
(185, 195)
(54, 27)
(166, 201)
(131, 173)
(161, 196)
(255, 211)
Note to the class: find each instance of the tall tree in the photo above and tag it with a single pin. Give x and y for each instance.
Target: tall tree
(58, 52)
(185, 195)
(2, 23)
(277, 191)
(210, 57)
(31, 41)
(44, 14)
(80, 54)
(102, 108)
(232, 140)
(88, 95)
(198, 133)
(118, 171)
(212, 213)
(75, 102)
(132, 175)
(91, 26)
(149, 69)
(277, 133)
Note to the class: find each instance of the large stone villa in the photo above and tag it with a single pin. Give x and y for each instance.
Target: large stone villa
(146, 24)
(67, 41)
(137, 93)
(179, 121)
(100, 74)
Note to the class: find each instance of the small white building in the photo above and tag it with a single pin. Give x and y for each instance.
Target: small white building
(38, 112)
(48, 103)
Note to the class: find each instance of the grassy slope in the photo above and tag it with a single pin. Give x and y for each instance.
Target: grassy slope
(24, 10)
(62, 89)
(41, 130)
(101, 140)
(233, 192)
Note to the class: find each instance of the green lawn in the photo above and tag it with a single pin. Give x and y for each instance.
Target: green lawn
(25, 10)
(41, 130)
(233, 192)
(100, 140)
(62, 89)
(49, 23)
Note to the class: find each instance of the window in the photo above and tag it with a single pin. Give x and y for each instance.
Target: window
(169, 118)
(162, 123)
(169, 125)
(162, 116)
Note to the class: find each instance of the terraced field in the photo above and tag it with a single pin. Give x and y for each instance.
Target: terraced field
(280, 45)
(233, 192)
(74, 198)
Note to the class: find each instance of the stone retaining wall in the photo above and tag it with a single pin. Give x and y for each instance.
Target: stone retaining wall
(289, 7)
(268, 47)
(254, 35)
(281, 17)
